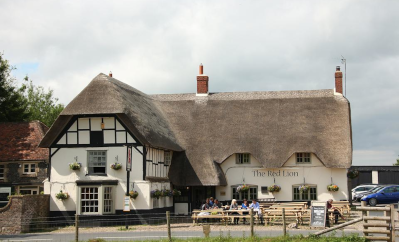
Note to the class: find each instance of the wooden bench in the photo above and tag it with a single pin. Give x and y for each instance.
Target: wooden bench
(342, 206)
(213, 214)
(271, 215)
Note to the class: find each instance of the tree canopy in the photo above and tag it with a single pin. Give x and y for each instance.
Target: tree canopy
(397, 162)
(27, 102)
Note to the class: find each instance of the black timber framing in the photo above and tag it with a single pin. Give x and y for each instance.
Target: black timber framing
(76, 117)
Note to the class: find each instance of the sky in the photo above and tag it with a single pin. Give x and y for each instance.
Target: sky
(156, 47)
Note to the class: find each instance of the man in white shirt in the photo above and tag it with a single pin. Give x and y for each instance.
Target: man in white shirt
(256, 207)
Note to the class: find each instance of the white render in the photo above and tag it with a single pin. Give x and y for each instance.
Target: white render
(290, 174)
(63, 178)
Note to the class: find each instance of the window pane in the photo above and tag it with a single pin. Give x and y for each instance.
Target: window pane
(313, 193)
(296, 193)
(32, 167)
(97, 162)
(253, 193)
(89, 199)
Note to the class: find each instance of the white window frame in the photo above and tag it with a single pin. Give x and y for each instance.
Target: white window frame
(29, 165)
(303, 158)
(90, 166)
(2, 171)
(243, 158)
(34, 190)
(308, 196)
(247, 195)
(99, 195)
(112, 195)
(167, 157)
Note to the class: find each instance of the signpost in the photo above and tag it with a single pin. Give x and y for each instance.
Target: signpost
(126, 207)
(318, 214)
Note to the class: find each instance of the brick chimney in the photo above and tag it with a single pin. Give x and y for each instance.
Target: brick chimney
(110, 74)
(202, 83)
(338, 80)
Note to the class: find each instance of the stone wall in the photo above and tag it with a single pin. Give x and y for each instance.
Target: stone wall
(22, 213)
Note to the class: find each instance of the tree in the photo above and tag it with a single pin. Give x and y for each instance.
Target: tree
(13, 105)
(41, 104)
(25, 103)
(397, 162)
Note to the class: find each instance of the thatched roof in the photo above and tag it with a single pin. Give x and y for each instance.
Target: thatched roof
(272, 126)
(205, 131)
(106, 95)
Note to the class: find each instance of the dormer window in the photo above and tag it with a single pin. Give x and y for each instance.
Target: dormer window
(303, 158)
(243, 158)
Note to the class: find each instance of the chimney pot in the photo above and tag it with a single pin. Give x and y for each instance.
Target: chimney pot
(338, 68)
(110, 73)
(201, 69)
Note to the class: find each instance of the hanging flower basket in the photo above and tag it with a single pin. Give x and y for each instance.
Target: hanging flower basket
(156, 193)
(176, 193)
(75, 166)
(133, 194)
(116, 166)
(62, 195)
(303, 188)
(352, 174)
(332, 188)
(274, 188)
(242, 188)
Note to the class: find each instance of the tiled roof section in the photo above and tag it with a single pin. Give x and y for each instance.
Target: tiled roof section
(246, 95)
(20, 140)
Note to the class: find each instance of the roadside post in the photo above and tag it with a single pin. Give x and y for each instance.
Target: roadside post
(251, 221)
(76, 227)
(168, 224)
(284, 224)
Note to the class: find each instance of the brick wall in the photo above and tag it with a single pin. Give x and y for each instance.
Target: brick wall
(21, 212)
(14, 174)
(202, 84)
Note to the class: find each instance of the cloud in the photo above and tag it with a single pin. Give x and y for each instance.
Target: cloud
(157, 46)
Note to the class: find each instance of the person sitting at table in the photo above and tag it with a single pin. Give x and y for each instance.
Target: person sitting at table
(336, 213)
(244, 206)
(256, 207)
(234, 206)
(205, 205)
(211, 201)
(217, 204)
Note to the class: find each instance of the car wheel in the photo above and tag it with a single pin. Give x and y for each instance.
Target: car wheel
(373, 202)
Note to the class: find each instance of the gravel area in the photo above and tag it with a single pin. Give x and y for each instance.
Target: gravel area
(214, 227)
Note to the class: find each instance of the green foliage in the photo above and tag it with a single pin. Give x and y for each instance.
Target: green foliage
(41, 103)
(25, 103)
(296, 238)
(397, 162)
(13, 105)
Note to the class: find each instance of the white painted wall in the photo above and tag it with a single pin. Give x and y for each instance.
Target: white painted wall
(290, 174)
(63, 178)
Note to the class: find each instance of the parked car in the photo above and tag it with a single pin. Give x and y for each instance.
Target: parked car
(358, 196)
(362, 188)
(389, 194)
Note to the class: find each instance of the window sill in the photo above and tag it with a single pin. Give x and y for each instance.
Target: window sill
(96, 175)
